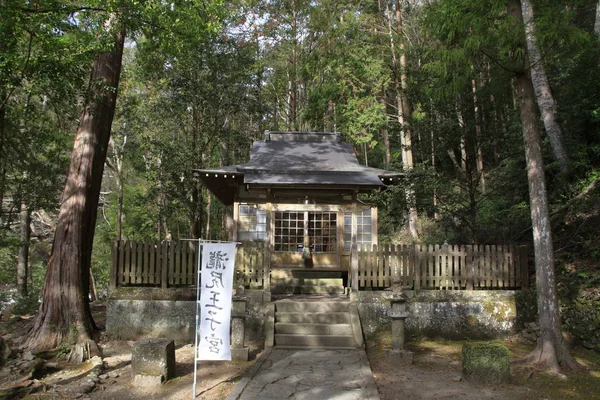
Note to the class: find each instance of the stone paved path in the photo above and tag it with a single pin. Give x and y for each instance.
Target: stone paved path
(308, 375)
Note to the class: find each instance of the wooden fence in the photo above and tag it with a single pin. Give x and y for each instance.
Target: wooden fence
(443, 267)
(419, 267)
(173, 264)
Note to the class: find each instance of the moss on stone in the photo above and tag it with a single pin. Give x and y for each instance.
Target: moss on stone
(487, 363)
(471, 320)
(500, 310)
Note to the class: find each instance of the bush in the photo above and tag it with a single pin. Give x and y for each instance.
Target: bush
(487, 363)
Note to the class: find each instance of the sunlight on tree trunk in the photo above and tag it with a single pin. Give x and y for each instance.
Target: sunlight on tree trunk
(403, 110)
(478, 139)
(543, 91)
(23, 258)
(551, 352)
(64, 315)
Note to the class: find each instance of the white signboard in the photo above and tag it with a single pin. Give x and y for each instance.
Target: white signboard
(218, 261)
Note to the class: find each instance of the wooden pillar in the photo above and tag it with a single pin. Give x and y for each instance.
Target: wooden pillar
(236, 221)
(354, 251)
(268, 246)
(114, 267)
(340, 235)
(374, 226)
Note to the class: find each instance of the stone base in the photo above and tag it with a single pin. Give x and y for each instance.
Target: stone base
(399, 357)
(153, 357)
(147, 380)
(240, 354)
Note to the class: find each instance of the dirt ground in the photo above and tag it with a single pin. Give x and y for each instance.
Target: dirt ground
(435, 374)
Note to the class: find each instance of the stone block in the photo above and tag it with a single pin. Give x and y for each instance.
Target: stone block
(153, 357)
(147, 380)
(486, 363)
(399, 357)
(240, 354)
(237, 332)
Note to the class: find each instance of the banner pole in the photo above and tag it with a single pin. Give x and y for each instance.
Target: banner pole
(197, 316)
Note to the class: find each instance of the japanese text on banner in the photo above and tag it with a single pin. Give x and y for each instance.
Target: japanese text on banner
(218, 261)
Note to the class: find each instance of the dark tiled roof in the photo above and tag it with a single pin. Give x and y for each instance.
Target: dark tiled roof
(294, 159)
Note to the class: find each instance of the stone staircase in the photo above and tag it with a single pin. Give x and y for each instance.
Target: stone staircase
(307, 282)
(306, 324)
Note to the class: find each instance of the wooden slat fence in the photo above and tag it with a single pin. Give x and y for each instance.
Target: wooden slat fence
(419, 267)
(443, 267)
(173, 264)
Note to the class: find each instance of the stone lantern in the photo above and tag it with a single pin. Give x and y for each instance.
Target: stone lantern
(398, 314)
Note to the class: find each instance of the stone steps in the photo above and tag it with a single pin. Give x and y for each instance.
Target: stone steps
(307, 282)
(314, 341)
(314, 324)
(313, 329)
(306, 289)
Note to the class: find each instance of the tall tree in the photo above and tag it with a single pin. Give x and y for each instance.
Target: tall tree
(65, 302)
(543, 91)
(597, 20)
(551, 352)
(23, 259)
(403, 106)
(499, 33)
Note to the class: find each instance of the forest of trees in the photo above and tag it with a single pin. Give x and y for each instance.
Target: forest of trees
(454, 92)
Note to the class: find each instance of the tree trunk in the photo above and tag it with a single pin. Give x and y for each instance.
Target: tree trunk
(551, 352)
(2, 157)
(543, 91)
(118, 170)
(597, 21)
(93, 291)
(207, 235)
(479, 151)
(399, 65)
(385, 138)
(23, 259)
(64, 314)
(7, 34)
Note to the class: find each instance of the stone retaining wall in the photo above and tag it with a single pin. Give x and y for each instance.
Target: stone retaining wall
(444, 314)
(581, 318)
(132, 314)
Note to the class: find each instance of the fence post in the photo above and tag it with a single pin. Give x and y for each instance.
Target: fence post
(524, 267)
(163, 264)
(469, 267)
(114, 268)
(354, 267)
(416, 258)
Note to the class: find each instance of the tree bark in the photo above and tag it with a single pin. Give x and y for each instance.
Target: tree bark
(597, 21)
(385, 138)
(399, 66)
(118, 153)
(64, 314)
(23, 258)
(543, 91)
(551, 352)
(207, 235)
(478, 144)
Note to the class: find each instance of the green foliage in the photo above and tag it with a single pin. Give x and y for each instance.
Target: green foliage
(63, 351)
(26, 305)
(8, 260)
(486, 363)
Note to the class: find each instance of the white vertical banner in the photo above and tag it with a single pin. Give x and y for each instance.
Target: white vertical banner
(218, 262)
